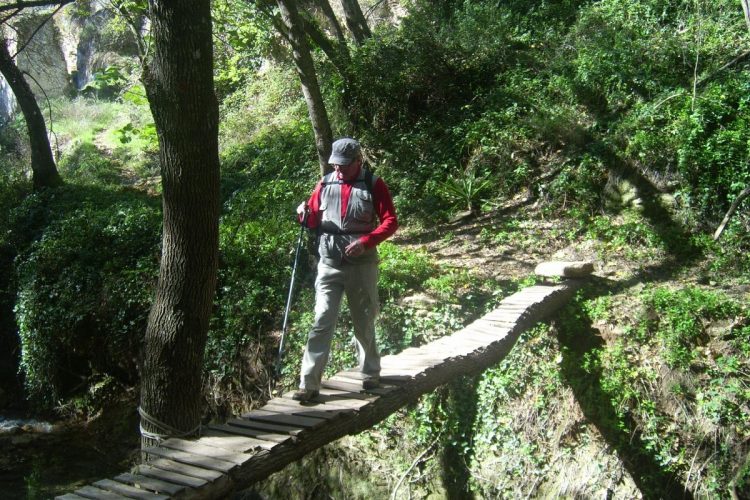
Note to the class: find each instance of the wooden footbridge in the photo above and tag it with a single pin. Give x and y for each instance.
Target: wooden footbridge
(234, 455)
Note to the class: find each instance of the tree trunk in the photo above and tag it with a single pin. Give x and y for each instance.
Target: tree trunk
(179, 84)
(306, 70)
(746, 10)
(355, 21)
(325, 7)
(43, 168)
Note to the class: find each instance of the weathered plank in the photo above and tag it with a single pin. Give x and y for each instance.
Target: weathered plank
(246, 431)
(208, 475)
(342, 385)
(156, 485)
(97, 493)
(338, 404)
(69, 496)
(305, 410)
(284, 418)
(128, 491)
(239, 444)
(173, 477)
(198, 448)
(191, 459)
(266, 426)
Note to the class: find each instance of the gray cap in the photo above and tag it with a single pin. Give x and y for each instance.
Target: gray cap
(344, 151)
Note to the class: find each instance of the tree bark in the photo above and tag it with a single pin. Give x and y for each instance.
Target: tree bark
(355, 21)
(746, 10)
(179, 85)
(303, 62)
(43, 168)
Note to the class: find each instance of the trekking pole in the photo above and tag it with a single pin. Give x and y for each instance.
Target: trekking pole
(289, 297)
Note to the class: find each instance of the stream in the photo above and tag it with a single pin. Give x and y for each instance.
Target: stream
(40, 459)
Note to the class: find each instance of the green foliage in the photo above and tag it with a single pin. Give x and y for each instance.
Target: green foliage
(106, 82)
(87, 164)
(246, 37)
(80, 310)
(676, 318)
(466, 191)
(402, 270)
(632, 235)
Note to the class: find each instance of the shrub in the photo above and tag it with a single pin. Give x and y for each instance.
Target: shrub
(676, 318)
(84, 289)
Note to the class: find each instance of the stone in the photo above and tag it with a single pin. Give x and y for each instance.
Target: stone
(574, 269)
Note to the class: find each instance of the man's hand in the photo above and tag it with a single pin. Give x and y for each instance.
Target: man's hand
(302, 208)
(354, 249)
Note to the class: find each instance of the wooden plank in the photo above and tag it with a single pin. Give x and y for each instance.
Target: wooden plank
(397, 379)
(305, 410)
(489, 327)
(68, 496)
(97, 494)
(208, 475)
(191, 459)
(282, 418)
(266, 426)
(353, 375)
(343, 405)
(493, 323)
(338, 393)
(172, 477)
(197, 448)
(342, 385)
(150, 483)
(255, 433)
(491, 334)
(128, 491)
(240, 444)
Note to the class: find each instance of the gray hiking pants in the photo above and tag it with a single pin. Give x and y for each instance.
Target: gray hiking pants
(360, 283)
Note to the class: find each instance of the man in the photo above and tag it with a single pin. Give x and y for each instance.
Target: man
(353, 212)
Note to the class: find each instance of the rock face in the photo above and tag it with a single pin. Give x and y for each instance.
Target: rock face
(63, 55)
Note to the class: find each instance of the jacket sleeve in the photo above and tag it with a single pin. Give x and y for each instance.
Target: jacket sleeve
(313, 205)
(386, 214)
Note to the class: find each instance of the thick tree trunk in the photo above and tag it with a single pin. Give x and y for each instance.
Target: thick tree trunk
(306, 70)
(746, 10)
(43, 168)
(179, 84)
(356, 21)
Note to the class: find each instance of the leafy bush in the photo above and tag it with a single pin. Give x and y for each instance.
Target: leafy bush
(676, 317)
(81, 310)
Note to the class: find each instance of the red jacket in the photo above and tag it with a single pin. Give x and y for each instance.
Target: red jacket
(382, 202)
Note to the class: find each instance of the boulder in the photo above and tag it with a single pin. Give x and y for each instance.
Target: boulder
(557, 269)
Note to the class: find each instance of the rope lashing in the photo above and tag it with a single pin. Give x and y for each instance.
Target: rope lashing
(164, 431)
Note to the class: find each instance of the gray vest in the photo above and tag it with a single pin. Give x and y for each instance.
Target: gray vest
(337, 232)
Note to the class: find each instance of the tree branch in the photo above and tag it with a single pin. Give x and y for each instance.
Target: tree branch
(21, 4)
(744, 194)
(731, 63)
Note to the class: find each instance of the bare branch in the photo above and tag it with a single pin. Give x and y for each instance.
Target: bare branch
(744, 194)
(23, 4)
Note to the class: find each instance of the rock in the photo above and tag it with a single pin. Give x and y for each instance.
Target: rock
(420, 301)
(577, 269)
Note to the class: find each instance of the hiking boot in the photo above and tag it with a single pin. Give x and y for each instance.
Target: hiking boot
(305, 395)
(371, 383)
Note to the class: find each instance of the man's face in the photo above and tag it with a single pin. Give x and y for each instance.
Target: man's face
(348, 172)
